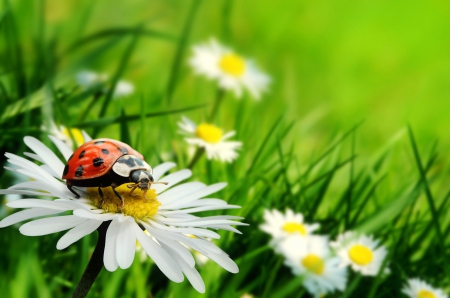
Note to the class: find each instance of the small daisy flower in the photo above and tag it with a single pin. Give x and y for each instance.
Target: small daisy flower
(232, 71)
(416, 288)
(310, 258)
(361, 252)
(61, 132)
(212, 139)
(280, 225)
(166, 214)
(88, 79)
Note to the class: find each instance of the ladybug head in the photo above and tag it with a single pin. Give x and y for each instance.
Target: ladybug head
(143, 180)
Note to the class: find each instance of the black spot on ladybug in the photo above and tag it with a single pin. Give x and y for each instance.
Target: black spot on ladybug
(70, 157)
(98, 161)
(124, 150)
(66, 170)
(82, 154)
(105, 151)
(99, 142)
(79, 172)
(128, 161)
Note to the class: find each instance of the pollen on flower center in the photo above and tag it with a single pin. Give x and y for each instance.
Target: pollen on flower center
(294, 227)
(232, 64)
(314, 264)
(425, 294)
(134, 204)
(360, 254)
(209, 133)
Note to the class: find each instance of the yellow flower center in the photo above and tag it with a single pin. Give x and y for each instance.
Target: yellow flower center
(294, 227)
(209, 133)
(232, 64)
(360, 254)
(77, 135)
(314, 264)
(425, 294)
(134, 205)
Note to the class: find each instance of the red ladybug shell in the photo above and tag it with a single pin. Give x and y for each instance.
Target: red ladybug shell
(95, 158)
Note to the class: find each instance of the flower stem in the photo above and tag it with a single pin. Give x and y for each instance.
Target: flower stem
(196, 157)
(94, 266)
(219, 99)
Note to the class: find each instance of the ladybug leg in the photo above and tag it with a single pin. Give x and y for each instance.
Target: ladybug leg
(100, 192)
(113, 186)
(69, 186)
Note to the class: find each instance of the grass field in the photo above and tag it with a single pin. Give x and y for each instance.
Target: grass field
(351, 133)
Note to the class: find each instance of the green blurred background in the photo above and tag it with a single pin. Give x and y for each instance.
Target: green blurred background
(385, 62)
(333, 64)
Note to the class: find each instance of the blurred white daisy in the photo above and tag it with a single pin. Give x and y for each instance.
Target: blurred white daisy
(211, 138)
(88, 79)
(165, 213)
(280, 225)
(416, 288)
(311, 258)
(361, 252)
(61, 132)
(232, 71)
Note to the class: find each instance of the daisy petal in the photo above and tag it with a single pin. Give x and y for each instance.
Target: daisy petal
(172, 179)
(25, 215)
(125, 244)
(164, 262)
(46, 154)
(86, 137)
(77, 233)
(224, 261)
(196, 195)
(159, 170)
(191, 273)
(63, 148)
(29, 203)
(51, 225)
(109, 255)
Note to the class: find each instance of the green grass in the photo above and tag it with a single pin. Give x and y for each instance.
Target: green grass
(353, 133)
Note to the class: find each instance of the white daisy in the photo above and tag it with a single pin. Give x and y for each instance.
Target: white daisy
(361, 252)
(200, 259)
(310, 258)
(212, 139)
(165, 213)
(232, 71)
(61, 132)
(89, 79)
(416, 288)
(280, 225)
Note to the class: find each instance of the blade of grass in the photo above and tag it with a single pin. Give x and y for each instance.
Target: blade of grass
(113, 120)
(184, 36)
(424, 181)
(264, 143)
(124, 129)
(119, 31)
(351, 185)
(120, 69)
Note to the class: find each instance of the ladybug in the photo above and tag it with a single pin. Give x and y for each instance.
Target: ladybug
(106, 162)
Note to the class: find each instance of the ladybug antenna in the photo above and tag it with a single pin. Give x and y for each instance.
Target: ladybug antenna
(165, 183)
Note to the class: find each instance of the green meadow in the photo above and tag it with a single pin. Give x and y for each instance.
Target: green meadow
(352, 131)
